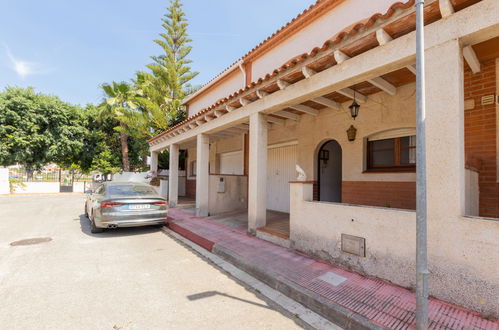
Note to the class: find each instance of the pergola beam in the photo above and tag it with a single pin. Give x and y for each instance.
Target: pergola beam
(446, 8)
(350, 93)
(261, 94)
(275, 120)
(287, 115)
(327, 102)
(282, 84)
(305, 109)
(471, 58)
(379, 82)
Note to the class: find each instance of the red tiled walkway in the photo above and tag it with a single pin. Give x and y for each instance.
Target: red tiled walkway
(382, 303)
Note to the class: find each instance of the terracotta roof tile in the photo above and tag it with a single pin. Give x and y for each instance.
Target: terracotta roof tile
(348, 32)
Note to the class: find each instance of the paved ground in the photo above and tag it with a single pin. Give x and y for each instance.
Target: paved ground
(335, 290)
(126, 279)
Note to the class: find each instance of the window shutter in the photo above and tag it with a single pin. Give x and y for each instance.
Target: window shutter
(393, 133)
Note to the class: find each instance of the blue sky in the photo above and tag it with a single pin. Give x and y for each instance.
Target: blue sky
(67, 48)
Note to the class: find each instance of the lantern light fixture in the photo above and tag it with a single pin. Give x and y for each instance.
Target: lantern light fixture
(354, 107)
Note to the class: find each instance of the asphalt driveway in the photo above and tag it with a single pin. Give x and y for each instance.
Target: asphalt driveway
(137, 278)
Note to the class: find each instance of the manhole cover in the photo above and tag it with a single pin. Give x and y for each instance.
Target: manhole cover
(32, 241)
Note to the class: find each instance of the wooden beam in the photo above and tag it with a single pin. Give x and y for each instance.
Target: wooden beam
(307, 72)
(230, 108)
(305, 109)
(340, 57)
(282, 84)
(446, 8)
(261, 94)
(287, 115)
(192, 125)
(275, 120)
(201, 121)
(244, 101)
(208, 117)
(218, 113)
(411, 68)
(348, 92)
(471, 58)
(383, 37)
(327, 102)
(379, 82)
(383, 85)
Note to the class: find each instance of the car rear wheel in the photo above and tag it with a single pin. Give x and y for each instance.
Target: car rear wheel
(94, 229)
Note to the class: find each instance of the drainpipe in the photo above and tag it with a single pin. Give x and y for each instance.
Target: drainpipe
(421, 208)
(241, 67)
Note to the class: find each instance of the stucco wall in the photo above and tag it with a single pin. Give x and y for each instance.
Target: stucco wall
(38, 188)
(317, 33)
(233, 82)
(463, 252)
(235, 196)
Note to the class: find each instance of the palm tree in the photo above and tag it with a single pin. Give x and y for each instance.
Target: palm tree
(119, 105)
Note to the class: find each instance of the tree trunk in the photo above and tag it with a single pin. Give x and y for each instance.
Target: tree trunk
(124, 148)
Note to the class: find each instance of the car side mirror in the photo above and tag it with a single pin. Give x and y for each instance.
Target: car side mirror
(88, 191)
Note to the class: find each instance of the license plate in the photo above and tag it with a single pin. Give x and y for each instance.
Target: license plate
(139, 206)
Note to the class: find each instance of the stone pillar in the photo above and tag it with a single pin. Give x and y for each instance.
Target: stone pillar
(202, 174)
(257, 176)
(173, 176)
(154, 162)
(445, 132)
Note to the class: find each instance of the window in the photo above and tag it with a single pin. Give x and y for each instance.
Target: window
(394, 154)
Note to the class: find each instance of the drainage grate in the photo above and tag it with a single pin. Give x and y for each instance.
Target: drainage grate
(31, 241)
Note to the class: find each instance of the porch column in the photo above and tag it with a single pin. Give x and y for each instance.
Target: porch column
(257, 176)
(154, 162)
(173, 176)
(202, 174)
(445, 131)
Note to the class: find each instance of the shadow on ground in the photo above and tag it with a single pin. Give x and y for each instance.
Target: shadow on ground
(208, 294)
(118, 232)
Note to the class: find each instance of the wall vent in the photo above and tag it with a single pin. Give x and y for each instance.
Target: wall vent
(488, 99)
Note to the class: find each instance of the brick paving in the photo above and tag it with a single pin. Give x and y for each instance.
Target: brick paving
(382, 303)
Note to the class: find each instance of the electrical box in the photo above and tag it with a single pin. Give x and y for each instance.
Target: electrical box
(221, 185)
(353, 244)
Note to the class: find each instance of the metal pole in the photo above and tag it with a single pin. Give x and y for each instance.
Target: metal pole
(421, 212)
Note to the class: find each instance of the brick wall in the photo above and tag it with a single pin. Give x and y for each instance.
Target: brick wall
(480, 135)
(190, 188)
(400, 195)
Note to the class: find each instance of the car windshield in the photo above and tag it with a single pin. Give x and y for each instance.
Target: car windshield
(130, 190)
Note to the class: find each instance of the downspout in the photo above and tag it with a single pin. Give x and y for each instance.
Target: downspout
(240, 64)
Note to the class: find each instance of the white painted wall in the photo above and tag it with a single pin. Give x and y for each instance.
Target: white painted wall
(463, 251)
(317, 33)
(38, 188)
(4, 181)
(234, 197)
(230, 85)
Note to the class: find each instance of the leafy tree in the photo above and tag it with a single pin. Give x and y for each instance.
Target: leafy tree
(37, 129)
(167, 84)
(120, 105)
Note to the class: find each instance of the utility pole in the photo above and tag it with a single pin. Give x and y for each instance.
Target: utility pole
(421, 207)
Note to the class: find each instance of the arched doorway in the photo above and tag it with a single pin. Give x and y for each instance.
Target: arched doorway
(329, 171)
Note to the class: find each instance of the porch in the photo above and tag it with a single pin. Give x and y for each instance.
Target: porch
(355, 202)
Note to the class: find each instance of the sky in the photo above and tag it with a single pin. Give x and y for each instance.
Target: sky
(68, 48)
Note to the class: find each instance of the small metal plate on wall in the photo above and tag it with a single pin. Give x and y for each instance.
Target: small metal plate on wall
(353, 244)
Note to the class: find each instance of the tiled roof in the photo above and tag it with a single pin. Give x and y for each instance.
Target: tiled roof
(340, 37)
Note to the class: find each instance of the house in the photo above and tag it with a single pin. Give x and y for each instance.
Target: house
(291, 101)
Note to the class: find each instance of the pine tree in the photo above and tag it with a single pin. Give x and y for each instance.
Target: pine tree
(168, 83)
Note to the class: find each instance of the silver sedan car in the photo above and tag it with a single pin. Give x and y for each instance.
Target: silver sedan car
(124, 204)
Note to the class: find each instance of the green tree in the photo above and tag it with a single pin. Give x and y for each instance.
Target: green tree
(167, 84)
(37, 129)
(120, 105)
